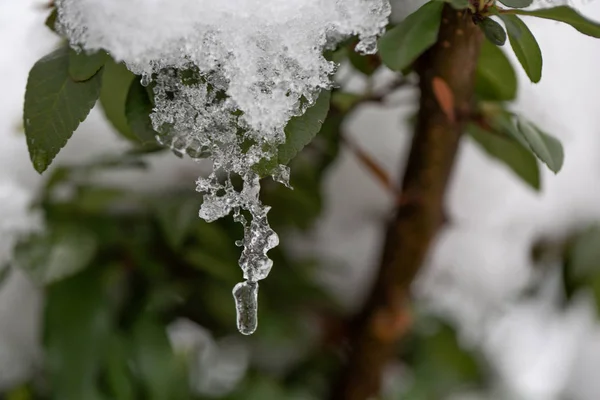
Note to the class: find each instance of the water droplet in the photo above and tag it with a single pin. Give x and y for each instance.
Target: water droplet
(245, 295)
(145, 79)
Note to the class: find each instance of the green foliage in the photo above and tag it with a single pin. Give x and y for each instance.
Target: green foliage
(164, 374)
(441, 365)
(525, 46)
(517, 3)
(496, 79)
(83, 66)
(401, 46)
(51, 20)
(581, 267)
(116, 81)
(59, 252)
(55, 105)
(493, 31)
(77, 327)
(510, 152)
(547, 148)
(567, 15)
(299, 132)
(302, 129)
(138, 108)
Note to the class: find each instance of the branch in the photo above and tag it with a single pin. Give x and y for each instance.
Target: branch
(384, 319)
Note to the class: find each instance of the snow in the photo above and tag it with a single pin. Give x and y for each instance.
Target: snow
(226, 74)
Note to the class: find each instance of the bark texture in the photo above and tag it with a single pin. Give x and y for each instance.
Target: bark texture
(385, 318)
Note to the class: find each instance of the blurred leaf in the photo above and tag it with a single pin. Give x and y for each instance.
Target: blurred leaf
(5, 271)
(301, 130)
(83, 66)
(138, 108)
(118, 374)
(495, 77)
(19, 393)
(218, 301)
(262, 388)
(97, 199)
(525, 46)
(442, 365)
(581, 269)
(547, 148)
(344, 101)
(176, 216)
(517, 3)
(116, 82)
(401, 45)
(61, 251)
(164, 375)
(567, 15)
(77, 329)
(215, 266)
(366, 64)
(493, 31)
(55, 105)
(508, 151)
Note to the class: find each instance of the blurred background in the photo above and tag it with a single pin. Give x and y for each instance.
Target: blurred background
(112, 288)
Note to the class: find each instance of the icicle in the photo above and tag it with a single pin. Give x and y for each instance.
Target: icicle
(246, 304)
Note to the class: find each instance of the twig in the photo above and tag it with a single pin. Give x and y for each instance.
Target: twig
(385, 318)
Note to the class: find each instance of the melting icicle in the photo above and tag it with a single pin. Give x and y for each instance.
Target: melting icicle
(246, 305)
(228, 77)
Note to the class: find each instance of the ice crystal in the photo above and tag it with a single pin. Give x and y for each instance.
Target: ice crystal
(227, 76)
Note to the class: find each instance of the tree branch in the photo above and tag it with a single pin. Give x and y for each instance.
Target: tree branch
(384, 319)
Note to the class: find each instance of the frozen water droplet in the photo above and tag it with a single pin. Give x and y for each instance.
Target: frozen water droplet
(282, 175)
(245, 295)
(145, 79)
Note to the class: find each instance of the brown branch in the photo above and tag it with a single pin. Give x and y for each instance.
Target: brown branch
(385, 318)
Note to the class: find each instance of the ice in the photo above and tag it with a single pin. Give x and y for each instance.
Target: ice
(246, 304)
(227, 76)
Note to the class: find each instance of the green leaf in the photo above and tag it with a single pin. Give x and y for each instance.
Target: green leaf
(525, 46)
(116, 81)
(55, 105)
(51, 20)
(493, 31)
(567, 15)
(138, 108)
(302, 129)
(83, 66)
(176, 217)
(401, 46)
(547, 148)
(56, 254)
(367, 64)
(495, 77)
(77, 326)
(164, 375)
(517, 3)
(519, 159)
